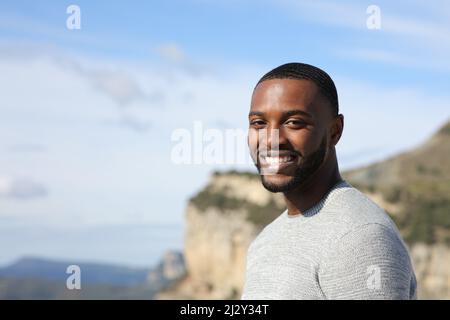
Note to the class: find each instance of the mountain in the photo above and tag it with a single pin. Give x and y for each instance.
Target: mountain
(414, 187)
(223, 218)
(92, 273)
(42, 289)
(38, 278)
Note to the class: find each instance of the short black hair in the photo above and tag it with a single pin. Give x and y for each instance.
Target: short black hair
(296, 70)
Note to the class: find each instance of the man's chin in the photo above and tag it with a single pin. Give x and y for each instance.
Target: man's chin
(279, 182)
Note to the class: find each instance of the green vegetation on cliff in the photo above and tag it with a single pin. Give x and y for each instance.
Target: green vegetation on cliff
(260, 215)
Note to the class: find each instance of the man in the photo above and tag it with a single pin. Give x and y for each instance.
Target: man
(332, 242)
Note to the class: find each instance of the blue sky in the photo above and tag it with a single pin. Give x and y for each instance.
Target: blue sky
(87, 115)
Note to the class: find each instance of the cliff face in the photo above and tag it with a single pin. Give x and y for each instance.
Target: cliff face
(223, 219)
(432, 268)
(171, 268)
(216, 258)
(221, 222)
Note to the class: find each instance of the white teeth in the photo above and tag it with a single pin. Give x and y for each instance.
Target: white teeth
(277, 160)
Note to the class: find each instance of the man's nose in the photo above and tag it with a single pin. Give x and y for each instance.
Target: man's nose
(272, 138)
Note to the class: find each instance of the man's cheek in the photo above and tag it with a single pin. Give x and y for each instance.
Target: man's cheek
(253, 143)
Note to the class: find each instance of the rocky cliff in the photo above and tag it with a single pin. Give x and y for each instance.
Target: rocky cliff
(223, 219)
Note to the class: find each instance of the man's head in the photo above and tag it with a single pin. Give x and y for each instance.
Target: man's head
(294, 125)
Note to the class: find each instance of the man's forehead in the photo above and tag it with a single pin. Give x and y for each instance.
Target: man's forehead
(284, 94)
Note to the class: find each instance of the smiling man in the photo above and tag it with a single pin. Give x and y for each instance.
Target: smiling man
(332, 242)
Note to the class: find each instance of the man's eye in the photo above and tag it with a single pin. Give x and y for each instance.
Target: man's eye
(296, 122)
(257, 123)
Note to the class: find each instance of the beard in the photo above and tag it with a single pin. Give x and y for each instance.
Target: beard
(307, 167)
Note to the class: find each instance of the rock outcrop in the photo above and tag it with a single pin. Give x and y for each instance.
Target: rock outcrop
(218, 233)
(171, 268)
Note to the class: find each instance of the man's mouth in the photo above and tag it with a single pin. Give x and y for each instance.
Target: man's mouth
(278, 160)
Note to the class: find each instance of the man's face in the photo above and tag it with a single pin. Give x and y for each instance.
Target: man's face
(288, 136)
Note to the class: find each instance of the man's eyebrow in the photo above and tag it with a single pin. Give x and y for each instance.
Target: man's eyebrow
(256, 113)
(286, 113)
(295, 112)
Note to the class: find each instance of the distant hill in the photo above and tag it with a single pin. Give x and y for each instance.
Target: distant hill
(41, 289)
(414, 187)
(38, 278)
(92, 273)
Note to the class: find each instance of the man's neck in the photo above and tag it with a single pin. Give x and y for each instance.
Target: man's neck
(301, 199)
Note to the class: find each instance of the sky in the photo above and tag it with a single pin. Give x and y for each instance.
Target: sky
(88, 115)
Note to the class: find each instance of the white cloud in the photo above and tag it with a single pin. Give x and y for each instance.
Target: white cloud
(119, 86)
(394, 58)
(425, 39)
(383, 120)
(353, 15)
(98, 172)
(26, 148)
(172, 52)
(429, 32)
(337, 14)
(21, 188)
(22, 24)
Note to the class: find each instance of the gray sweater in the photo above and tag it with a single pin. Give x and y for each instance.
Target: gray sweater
(344, 247)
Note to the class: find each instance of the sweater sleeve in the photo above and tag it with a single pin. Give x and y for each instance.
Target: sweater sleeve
(370, 262)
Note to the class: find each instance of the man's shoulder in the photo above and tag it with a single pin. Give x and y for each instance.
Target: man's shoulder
(353, 209)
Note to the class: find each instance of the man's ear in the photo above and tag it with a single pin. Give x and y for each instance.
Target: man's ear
(336, 129)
